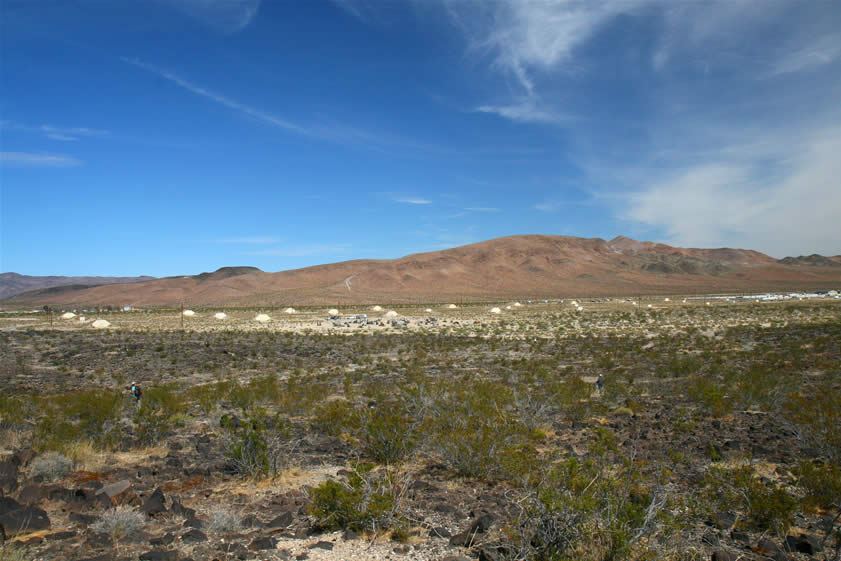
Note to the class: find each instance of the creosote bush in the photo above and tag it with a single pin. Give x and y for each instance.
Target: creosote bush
(366, 501)
(766, 506)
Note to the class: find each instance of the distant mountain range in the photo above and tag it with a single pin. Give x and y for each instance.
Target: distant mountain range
(529, 266)
(12, 284)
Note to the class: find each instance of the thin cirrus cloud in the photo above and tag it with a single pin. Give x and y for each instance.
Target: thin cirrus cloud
(333, 132)
(225, 16)
(28, 159)
(65, 134)
(412, 201)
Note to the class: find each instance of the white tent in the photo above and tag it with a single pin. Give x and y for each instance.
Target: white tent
(289, 311)
(496, 311)
(391, 314)
(189, 313)
(332, 312)
(68, 315)
(262, 318)
(220, 315)
(101, 324)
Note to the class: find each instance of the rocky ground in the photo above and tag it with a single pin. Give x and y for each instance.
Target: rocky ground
(197, 504)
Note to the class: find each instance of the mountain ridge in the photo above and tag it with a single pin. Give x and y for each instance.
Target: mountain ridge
(523, 266)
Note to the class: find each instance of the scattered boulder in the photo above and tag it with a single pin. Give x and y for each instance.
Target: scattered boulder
(19, 519)
(723, 555)
(282, 521)
(194, 536)
(154, 503)
(119, 493)
(262, 544)
(804, 543)
(159, 555)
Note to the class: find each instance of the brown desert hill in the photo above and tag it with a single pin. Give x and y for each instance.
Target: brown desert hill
(529, 266)
(14, 283)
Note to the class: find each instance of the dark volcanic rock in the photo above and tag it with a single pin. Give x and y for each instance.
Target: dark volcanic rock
(194, 536)
(159, 555)
(154, 503)
(804, 543)
(22, 519)
(322, 545)
(723, 555)
(262, 544)
(119, 493)
(282, 521)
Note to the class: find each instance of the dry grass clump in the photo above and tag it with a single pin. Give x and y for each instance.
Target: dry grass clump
(14, 552)
(223, 520)
(122, 522)
(51, 466)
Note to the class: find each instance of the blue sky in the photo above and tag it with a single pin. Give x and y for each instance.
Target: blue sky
(170, 137)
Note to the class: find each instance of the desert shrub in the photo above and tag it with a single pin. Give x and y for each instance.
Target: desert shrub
(586, 510)
(572, 395)
(710, 394)
(247, 446)
(817, 415)
(766, 506)
(388, 434)
(158, 413)
(473, 428)
(224, 520)
(119, 523)
(74, 416)
(336, 417)
(821, 484)
(51, 466)
(365, 501)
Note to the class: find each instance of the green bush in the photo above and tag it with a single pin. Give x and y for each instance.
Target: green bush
(79, 415)
(821, 484)
(709, 394)
(388, 434)
(364, 502)
(766, 506)
(248, 449)
(336, 417)
(818, 415)
(158, 413)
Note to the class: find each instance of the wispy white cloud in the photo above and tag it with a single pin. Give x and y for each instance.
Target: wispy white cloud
(331, 131)
(224, 16)
(736, 202)
(481, 209)
(818, 52)
(412, 200)
(28, 159)
(263, 116)
(526, 109)
(51, 132)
